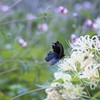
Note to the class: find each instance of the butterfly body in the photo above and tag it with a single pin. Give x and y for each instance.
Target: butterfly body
(57, 53)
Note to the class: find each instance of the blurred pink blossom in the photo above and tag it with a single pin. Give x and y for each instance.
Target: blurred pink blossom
(22, 42)
(96, 26)
(89, 23)
(5, 8)
(42, 27)
(30, 17)
(87, 5)
(75, 14)
(62, 10)
(78, 6)
(74, 38)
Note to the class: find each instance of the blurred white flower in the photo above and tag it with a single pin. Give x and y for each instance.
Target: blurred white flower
(8, 46)
(93, 83)
(62, 10)
(61, 75)
(53, 95)
(71, 92)
(65, 64)
(42, 27)
(66, 91)
(90, 71)
(55, 84)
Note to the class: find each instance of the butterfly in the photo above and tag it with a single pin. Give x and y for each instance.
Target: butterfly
(58, 53)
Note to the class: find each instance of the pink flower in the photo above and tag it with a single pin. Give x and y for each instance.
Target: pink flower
(96, 26)
(75, 14)
(30, 17)
(5, 8)
(78, 6)
(87, 5)
(42, 27)
(89, 23)
(22, 42)
(73, 38)
(62, 10)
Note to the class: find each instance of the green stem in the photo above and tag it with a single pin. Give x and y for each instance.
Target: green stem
(86, 88)
(28, 93)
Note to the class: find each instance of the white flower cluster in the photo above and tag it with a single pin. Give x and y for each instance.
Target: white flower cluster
(78, 71)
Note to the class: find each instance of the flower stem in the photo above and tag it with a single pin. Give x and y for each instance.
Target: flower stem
(86, 88)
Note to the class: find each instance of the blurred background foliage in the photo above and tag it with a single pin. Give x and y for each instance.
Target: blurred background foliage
(37, 24)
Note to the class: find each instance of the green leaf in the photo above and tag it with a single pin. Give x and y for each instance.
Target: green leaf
(96, 96)
(4, 97)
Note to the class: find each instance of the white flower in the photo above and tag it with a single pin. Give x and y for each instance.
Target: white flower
(77, 57)
(66, 91)
(53, 95)
(61, 75)
(71, 92)
(90, 71)
(93, 83)
(82, 64)
(66, 64)
(85, 43)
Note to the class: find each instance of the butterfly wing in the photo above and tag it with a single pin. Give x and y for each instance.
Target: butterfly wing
(55, 55)
(58, 48)
(61, 50)
(50, 56)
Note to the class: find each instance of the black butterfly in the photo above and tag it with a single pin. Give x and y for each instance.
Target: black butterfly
(57, 53)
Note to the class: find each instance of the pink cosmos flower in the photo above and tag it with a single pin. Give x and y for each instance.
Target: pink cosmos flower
(5, 8)
(73, 38)
(22, 42)
(30, 17)
(89, 23)
(75, 14)
(42, 27)
(62, 10)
